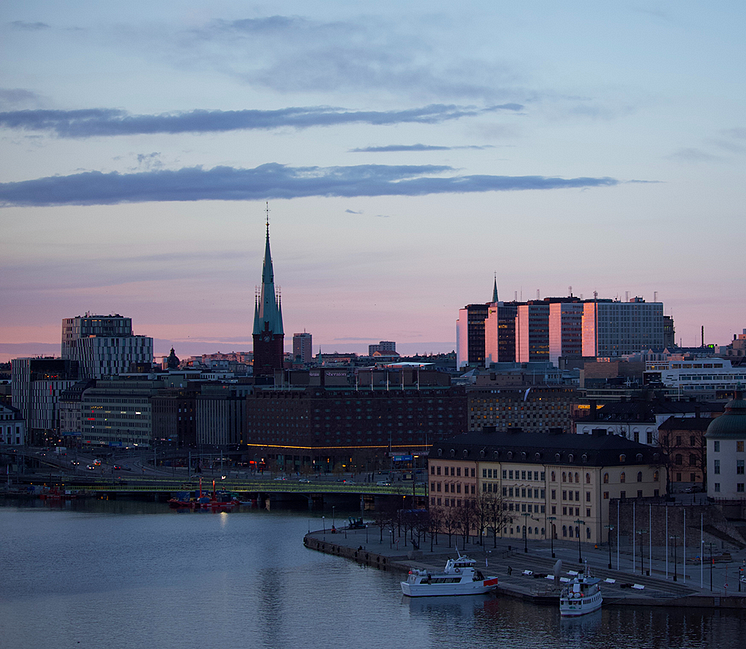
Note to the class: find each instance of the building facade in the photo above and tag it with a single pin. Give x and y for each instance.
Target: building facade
(470, 335)
(726, 453)
(565, 330)
(302, 348)
(532, 332)
(12, 426)
(37, 384)
(499, 333)
(612, 328)
(118, 413)
(551, 485)
(104, 346)
(319, 427)
(530, 409)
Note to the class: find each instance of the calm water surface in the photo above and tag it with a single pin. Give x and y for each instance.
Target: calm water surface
(126, 575)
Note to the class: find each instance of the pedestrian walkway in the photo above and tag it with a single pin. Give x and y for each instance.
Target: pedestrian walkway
(524, 573)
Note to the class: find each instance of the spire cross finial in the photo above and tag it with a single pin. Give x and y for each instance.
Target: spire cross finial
(266, 209)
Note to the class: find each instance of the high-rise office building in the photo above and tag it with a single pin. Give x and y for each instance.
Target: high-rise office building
(612, 328)
(302, 348)
(499, 333)
(268, 333)
(104, 346)
(565, 330)
(532, 332)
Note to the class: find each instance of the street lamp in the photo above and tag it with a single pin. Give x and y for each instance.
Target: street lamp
(551, 519)
(711, 562)
(611, 527)
(333, 526)
(674, 538)
(525, 537)
(642, 553)
(577, 531)
(323, 522)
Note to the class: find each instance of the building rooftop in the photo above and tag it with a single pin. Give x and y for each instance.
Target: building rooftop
(543, 448)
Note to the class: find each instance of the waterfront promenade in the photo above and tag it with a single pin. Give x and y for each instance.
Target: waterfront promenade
(510, 564)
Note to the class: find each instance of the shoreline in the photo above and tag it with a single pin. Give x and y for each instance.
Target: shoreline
(509, 566)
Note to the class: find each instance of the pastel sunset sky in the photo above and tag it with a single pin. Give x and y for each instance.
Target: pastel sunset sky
(409, 151)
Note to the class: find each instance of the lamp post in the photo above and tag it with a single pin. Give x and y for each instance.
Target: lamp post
(642, 553)
(674, 538)
(611, 527)
(333, 526)
(577, 530)
(323, 522)
(711, 562)
(525, 537)
(551, 519)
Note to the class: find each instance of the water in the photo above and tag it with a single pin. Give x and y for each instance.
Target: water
(126, 575)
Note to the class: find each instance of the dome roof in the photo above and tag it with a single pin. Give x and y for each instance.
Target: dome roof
(732, 423)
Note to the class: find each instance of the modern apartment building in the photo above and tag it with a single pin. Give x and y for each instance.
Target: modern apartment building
(104, 346)
(37, 384)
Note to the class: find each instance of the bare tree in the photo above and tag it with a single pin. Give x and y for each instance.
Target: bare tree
(482, 505)
(449, 522)
(385, 516)
(465, 518)
(434, 521)
(496, 514)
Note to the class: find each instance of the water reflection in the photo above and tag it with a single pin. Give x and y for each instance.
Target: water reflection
(89, 571)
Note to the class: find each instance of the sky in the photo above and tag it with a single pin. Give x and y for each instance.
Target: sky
(409, 153)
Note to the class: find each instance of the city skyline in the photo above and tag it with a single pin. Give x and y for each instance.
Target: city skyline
(407, 155)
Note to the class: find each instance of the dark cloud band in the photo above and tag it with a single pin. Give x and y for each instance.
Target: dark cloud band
(104, 122)
(267, 181)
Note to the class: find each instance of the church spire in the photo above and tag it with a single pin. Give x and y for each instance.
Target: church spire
(494, 291)
(267, 312)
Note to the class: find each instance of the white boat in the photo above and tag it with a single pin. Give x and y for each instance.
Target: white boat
(459, 577)
(581, 595)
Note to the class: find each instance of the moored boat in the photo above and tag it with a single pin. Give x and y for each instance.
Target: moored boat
(459, 577)
(581, 595)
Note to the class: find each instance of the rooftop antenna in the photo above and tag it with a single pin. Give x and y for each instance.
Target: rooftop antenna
(626, 296)
(537, 294)
(655, 296)
(569, 291)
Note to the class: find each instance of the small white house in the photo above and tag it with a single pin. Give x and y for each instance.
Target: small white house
(726, 455)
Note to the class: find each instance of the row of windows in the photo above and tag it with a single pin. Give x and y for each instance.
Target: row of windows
(739, 487)
(454, 471)
(739, 467)
(452, 487)
(739, 446)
